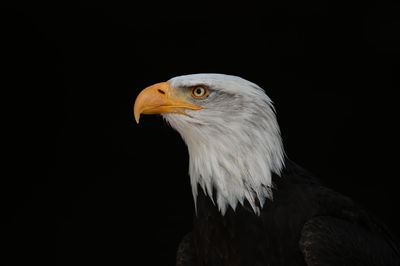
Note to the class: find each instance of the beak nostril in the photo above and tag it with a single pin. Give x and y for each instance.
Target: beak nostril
(161, 91)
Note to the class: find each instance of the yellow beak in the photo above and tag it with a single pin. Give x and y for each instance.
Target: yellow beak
(158, 99)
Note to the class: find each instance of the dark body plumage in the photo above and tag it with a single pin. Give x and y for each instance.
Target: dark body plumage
(305, 224)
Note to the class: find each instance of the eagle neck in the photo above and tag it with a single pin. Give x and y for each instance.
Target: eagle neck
(236, 165)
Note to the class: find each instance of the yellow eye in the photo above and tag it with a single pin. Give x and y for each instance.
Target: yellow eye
(199, 92)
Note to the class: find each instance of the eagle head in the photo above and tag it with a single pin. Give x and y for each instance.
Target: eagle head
(230, 129)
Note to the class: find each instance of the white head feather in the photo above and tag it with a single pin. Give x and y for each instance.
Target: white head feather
(234, 141)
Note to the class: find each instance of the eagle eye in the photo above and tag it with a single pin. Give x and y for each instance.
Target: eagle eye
(199, 92)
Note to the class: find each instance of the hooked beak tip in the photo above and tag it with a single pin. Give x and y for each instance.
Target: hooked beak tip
(137, 117)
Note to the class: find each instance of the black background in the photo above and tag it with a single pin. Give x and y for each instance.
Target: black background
(82, 184)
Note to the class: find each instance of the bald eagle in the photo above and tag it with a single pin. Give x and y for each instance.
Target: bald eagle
(253, 205)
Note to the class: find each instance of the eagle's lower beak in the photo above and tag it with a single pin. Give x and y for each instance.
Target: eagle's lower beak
(157, 99)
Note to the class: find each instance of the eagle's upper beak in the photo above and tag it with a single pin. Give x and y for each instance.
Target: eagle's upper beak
(159, 98)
